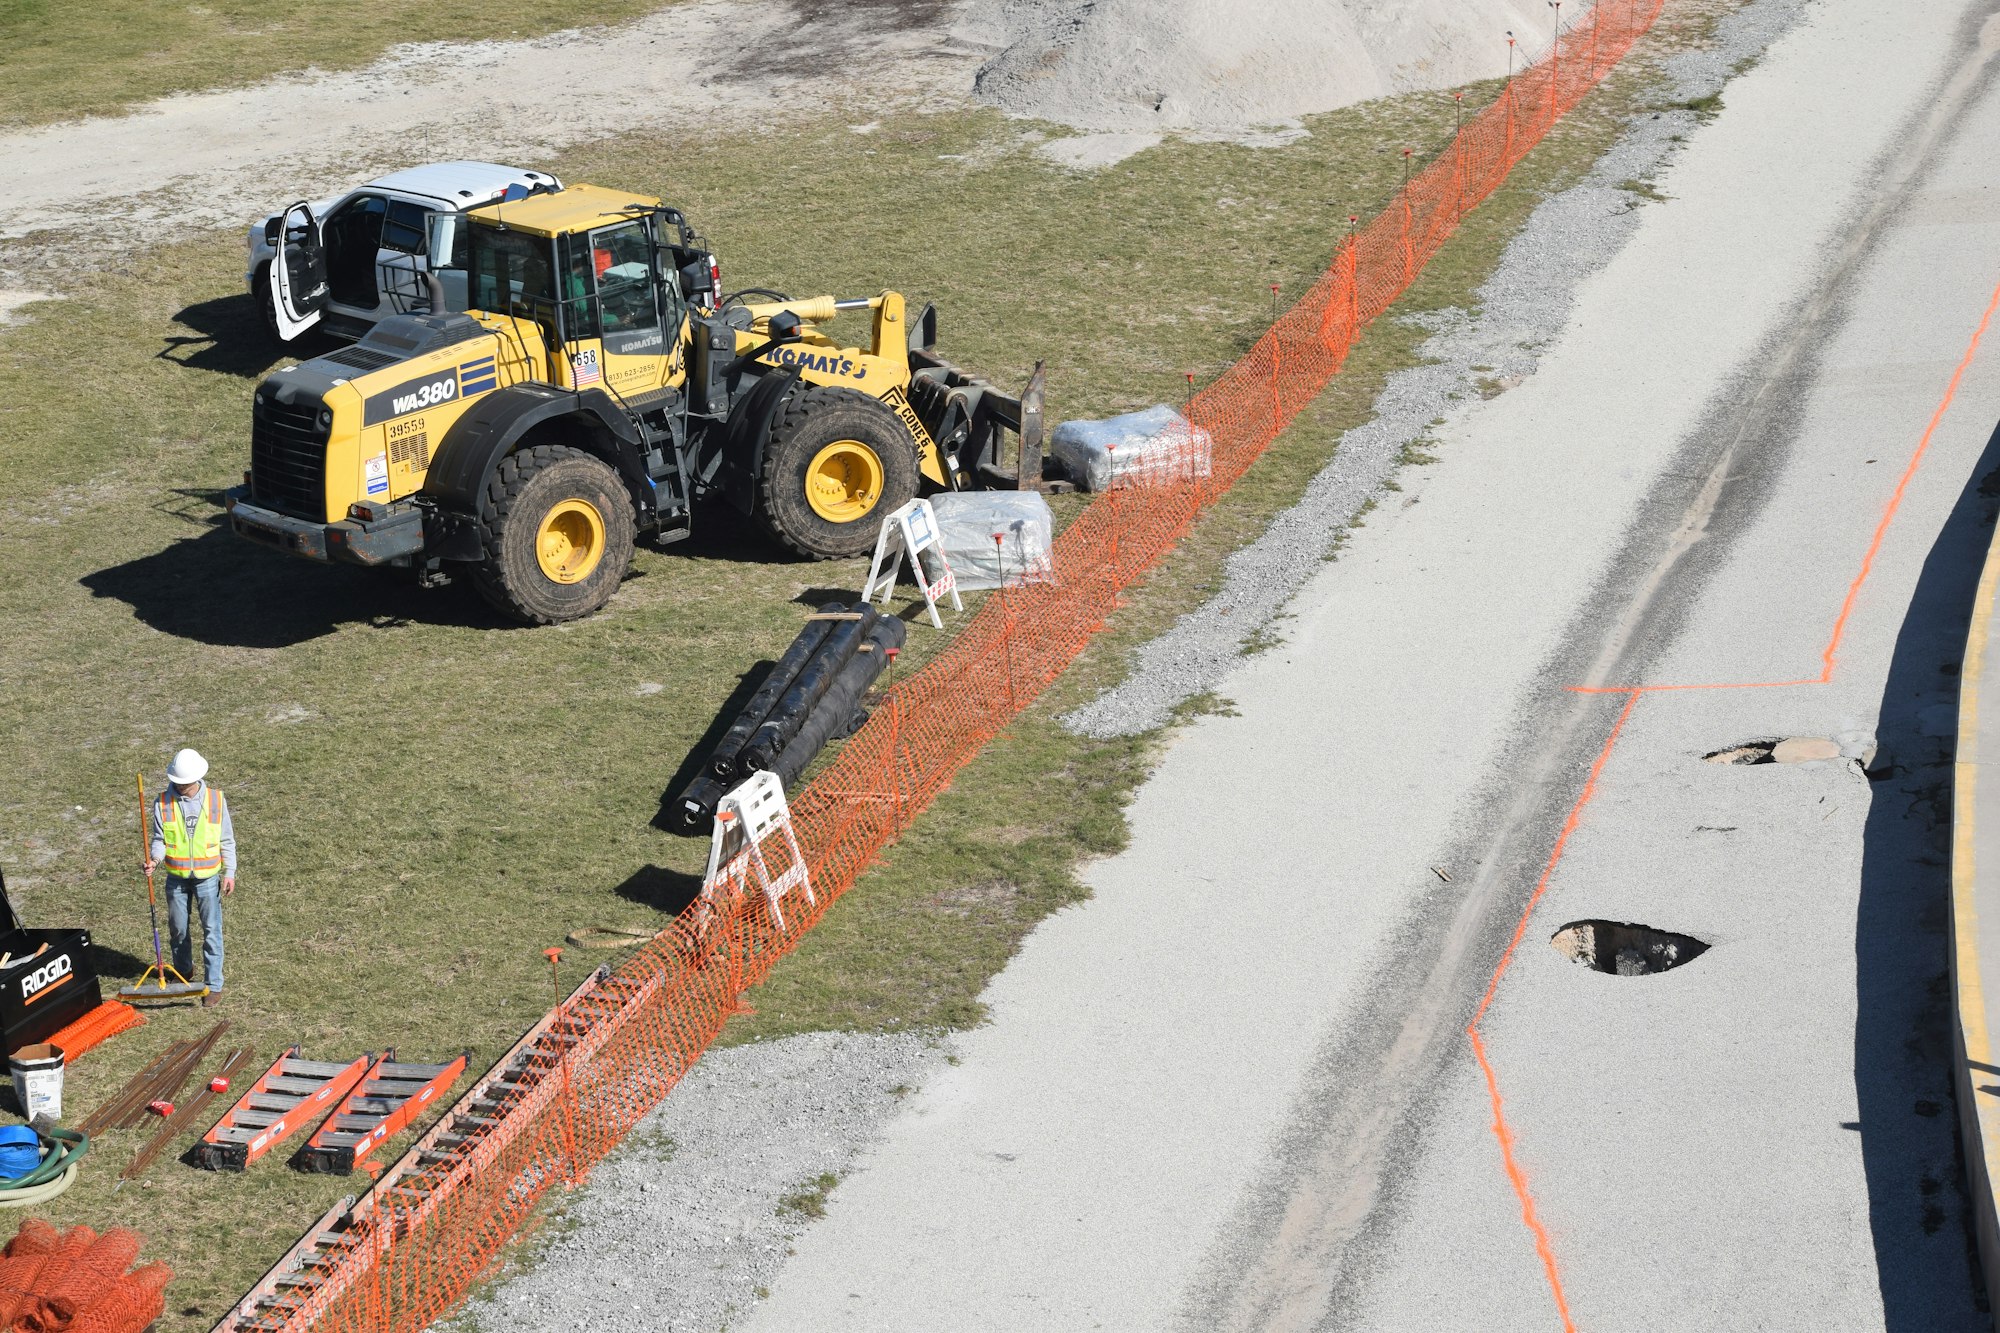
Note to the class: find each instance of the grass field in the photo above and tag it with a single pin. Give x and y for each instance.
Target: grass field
(427, 798)
(66, 60)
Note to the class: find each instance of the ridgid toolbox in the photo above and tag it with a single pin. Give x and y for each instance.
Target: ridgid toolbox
(46, 978)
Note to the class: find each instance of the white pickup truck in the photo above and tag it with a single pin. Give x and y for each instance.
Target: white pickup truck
(359, 257)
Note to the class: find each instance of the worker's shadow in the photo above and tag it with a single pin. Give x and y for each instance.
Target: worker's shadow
(213, 587)
(112, 964)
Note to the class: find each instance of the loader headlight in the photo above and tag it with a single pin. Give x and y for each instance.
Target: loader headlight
(326, 418)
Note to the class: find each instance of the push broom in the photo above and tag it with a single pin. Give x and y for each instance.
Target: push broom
(153, 983)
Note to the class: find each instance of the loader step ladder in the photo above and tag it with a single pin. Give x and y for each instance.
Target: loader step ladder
(747, 816)
(913, 530)
(335, 1252)
(384, 1102)
(287, 1097)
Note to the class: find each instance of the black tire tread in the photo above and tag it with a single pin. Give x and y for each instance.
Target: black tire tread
(801, 410)
(503, 491)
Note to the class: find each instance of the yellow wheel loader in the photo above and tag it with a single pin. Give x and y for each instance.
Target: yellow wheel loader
(600, 389)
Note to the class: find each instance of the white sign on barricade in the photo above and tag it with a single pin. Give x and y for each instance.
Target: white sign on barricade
(745, 817)
(914, 530)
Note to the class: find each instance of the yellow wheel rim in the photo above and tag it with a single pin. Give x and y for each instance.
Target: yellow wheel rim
(844, 481)
(570, 541)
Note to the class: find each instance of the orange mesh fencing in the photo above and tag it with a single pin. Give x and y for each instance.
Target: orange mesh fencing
(75, 1282)
(100, 1025)
(415, 1244)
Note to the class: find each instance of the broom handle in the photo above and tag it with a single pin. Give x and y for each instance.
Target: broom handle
(145, 859)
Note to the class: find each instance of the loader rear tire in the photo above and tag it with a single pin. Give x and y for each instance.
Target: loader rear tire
(558, 533)
(836, 463)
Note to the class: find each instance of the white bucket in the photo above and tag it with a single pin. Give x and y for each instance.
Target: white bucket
(38, 1080)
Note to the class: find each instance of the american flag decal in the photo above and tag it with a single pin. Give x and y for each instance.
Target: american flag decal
(583, 369)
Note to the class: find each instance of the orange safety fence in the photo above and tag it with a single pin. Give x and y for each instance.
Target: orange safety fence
(99, 1025)
(76, 1281)
(412, 1248)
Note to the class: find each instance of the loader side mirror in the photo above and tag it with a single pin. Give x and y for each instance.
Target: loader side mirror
(693, 278)
(445, 236)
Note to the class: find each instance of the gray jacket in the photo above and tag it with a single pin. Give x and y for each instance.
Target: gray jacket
(191, 811)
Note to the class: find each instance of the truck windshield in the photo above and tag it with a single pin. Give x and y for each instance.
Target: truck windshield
(511, 273)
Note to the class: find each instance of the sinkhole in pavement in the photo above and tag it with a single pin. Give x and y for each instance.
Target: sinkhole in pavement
(1776, 750)
(1625, 950)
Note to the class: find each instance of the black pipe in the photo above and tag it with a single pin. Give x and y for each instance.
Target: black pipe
(775, 732)
(726, 763)
(693, 811)
(839, 710)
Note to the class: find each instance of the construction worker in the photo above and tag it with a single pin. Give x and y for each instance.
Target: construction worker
(196, 844)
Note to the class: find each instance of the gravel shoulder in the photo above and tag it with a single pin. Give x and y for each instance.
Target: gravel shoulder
(691, 1219)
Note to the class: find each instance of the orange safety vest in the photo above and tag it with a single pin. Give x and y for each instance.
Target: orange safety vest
(195, 856)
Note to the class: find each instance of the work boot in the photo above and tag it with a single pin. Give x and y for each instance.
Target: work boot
(212, 999)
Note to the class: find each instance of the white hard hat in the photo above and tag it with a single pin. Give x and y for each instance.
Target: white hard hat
(188, 766)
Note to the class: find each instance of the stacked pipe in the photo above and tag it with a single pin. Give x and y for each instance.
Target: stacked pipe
(812, 696)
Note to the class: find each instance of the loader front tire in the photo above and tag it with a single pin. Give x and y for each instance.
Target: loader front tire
(836, 463)
(558, 531)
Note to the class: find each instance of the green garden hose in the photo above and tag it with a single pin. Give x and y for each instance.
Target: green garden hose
(55, 1174)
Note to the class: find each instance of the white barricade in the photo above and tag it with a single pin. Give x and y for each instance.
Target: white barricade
(747, 815)
(914, 531)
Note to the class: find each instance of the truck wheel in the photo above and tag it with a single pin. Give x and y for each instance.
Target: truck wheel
(260, 292)
(836, 463)
(558, 531)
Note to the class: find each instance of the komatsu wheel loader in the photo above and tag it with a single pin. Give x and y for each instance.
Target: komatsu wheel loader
(600, 389)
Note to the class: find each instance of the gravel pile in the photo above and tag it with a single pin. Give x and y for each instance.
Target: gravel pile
(1227, 66)
(1521, 309)
(680, 1228)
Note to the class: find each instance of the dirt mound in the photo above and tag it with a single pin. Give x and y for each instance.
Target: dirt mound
(1232, 66)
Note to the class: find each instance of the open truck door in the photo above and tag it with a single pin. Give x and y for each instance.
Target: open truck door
(298, 272)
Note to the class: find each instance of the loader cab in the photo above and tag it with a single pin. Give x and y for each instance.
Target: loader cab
(600, 273)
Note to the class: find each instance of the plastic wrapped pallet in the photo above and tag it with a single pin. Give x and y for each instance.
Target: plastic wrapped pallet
(1155, 447)
(967, 521)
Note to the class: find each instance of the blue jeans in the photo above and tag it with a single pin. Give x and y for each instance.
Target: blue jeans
(206, 895)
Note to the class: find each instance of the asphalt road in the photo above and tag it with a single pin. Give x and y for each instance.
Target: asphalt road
(1236, 1089)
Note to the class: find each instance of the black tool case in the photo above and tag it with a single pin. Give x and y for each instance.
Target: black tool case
(47, 982)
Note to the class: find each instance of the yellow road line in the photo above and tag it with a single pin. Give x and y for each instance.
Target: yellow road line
(1973, 1033)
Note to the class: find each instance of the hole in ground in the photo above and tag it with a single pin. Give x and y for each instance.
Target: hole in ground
(1625, 950)
(1748, 752)
(1777, 750)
